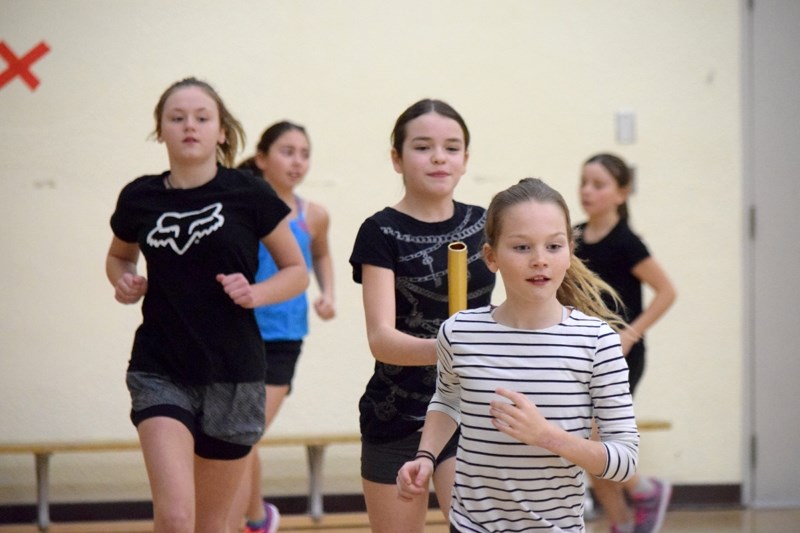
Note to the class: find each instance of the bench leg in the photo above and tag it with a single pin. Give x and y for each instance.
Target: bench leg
(315, 455)
(42, 490)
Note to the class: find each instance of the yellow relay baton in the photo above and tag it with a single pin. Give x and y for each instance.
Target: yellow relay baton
(457, 276)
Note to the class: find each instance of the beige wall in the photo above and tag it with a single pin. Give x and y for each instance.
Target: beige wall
(538, 82)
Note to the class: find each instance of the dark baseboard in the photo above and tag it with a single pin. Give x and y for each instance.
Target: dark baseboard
(706, 496)
(683, 497)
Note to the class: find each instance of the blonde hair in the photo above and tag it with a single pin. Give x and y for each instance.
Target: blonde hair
(581, 288)
(234, 132)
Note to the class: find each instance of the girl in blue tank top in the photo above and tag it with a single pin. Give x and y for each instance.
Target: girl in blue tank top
(282, 159)
(287, 320)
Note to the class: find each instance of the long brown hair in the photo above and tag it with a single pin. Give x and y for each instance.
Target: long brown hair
(581, 288)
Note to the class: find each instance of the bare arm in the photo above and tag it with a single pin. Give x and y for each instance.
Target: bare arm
(121, 271)
(649, 272)
(318, 222)
(290, 280)
(414, 476)
(386, 343)
(441, 421)
(292, 276)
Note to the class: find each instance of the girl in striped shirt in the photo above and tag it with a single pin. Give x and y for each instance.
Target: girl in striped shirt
(525, 379)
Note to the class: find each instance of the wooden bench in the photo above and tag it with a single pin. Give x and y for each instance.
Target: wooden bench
(314, 444)
(42, 451)
(653, 424)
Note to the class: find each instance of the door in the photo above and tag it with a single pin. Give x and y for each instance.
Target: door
(772, 189)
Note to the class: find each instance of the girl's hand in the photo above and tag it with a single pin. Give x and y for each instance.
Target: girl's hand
(628, 337)
(413, 478)
(238, 288)
(324, 308)
(130, 288)
(519, 419)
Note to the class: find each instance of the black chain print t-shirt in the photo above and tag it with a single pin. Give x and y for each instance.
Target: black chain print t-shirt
(396, 398)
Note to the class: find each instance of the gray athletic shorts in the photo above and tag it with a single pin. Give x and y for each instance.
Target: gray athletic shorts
(381, 462)
(225, 419)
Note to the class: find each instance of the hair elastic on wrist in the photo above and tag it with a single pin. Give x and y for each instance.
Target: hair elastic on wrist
(426, 454)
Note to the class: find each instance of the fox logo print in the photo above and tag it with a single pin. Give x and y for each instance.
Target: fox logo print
(181, 230)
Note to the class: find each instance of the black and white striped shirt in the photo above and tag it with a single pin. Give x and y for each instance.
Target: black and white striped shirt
(573, 372)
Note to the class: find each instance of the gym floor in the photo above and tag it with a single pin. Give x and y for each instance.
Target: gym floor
(679, 521)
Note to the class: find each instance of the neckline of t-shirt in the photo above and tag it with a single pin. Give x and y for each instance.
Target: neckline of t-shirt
(418, 221)
(566, 311)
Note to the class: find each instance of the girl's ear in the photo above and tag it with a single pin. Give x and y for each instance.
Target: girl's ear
(397, 161)
(489, 259)
(624, 193)
(221, 139)
(261, 161)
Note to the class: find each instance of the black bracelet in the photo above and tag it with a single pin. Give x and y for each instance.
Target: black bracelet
(427, 455)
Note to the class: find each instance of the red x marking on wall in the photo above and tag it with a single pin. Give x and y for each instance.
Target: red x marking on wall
(21, 66)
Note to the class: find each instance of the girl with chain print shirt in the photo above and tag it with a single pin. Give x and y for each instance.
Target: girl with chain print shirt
(400, 258)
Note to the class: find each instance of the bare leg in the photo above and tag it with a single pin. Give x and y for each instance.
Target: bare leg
(168, 449)
(611, 496)
(217, 482)
(241, 499)
(630, 485)
(389, 514)
(248, 500)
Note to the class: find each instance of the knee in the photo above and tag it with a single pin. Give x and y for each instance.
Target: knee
(176, 519)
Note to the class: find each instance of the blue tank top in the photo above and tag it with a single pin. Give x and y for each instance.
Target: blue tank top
(285, 321)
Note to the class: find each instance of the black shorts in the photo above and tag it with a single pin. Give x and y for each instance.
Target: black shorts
(205, 410)
(635, 360)
(381, 462)
(281, 358)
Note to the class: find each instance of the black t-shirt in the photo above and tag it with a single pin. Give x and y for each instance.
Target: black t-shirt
(396, 398)
(613, 258)
(191, 330)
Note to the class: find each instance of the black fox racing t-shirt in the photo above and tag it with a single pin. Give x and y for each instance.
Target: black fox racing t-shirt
(191, 330)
